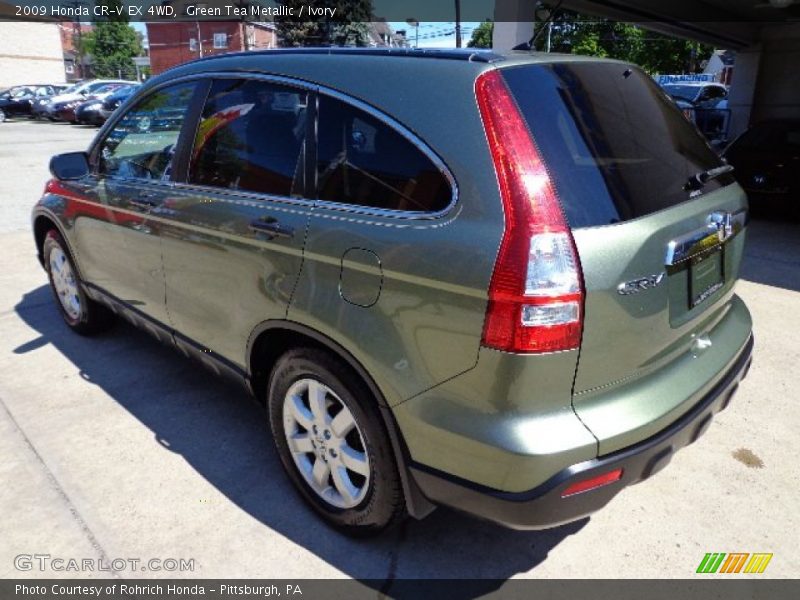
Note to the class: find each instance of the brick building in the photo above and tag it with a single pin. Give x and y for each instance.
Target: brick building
(175, 43)
(76, 67)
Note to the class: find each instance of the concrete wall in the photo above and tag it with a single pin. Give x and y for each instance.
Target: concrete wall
(777, 93)
(30, 53)
(742, 90)
(513, 23)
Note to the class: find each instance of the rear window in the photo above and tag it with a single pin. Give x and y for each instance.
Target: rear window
(615, 145)
(363, 161)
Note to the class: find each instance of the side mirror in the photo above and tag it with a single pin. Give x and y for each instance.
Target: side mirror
(72, 165)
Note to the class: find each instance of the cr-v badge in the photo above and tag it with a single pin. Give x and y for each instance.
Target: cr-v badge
(635, 286)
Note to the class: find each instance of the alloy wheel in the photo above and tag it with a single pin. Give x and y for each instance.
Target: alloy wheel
(65, 283)
(326, 443)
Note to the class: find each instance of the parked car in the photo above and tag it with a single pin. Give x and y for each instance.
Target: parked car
(66, 102)
(704, 103)
(67, 110)
(405, 267)
(112, 102)
(91, 112)
(18, 101)
(767, 161)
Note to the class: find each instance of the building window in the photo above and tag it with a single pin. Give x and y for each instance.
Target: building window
(220, 40)
(192, 45)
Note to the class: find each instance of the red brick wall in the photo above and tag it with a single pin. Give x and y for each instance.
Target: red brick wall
(169, 42)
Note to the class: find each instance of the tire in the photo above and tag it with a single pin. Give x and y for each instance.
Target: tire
(2, 115)
(373, 497)
(82, 314)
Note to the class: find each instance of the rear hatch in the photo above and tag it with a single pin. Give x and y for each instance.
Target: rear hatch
(659, 257)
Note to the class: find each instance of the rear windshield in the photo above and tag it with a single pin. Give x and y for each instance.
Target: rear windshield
(615, 144)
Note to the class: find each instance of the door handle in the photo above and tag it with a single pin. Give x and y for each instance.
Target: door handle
(143, 201)
(271, 227)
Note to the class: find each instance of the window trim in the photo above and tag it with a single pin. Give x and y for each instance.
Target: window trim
(192, 120)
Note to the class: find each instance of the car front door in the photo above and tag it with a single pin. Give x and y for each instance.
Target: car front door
(234, 229)
(116, 238)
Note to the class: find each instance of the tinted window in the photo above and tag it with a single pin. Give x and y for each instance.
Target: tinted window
(251, 137)
(363, 161)
(616, 146)
(142, 142)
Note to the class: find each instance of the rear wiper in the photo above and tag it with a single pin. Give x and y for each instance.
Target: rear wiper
(698, 180)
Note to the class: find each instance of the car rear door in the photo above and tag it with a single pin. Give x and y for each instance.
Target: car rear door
(659, 255)
(234, 227)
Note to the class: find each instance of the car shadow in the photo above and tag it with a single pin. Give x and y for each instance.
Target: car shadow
(772, 253)
(221, 432)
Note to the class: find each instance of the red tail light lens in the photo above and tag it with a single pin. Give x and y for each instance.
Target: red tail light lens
(593, 483)
(536, 291)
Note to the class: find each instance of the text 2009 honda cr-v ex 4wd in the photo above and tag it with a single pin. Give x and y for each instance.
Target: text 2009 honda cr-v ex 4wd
(503, 284)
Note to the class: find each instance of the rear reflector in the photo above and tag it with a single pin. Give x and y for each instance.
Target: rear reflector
(536, 292)
(593, 483)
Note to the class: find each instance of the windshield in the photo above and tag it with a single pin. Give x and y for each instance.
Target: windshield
(684, 92)
(617, 148)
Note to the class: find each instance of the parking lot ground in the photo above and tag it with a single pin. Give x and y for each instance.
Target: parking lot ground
(118, 447)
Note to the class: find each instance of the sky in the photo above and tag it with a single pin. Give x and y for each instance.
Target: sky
(431, 35)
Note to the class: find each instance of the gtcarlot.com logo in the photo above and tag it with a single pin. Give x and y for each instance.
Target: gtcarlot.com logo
(47, 562)
(734, 562)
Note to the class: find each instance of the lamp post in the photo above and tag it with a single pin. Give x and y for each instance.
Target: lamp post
(415, 24)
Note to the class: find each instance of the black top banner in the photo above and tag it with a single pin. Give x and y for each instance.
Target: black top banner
(412, 11)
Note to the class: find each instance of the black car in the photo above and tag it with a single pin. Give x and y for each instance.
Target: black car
(767, 162)
(18, 100)
(112, 102)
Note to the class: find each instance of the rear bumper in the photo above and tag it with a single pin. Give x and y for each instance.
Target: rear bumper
(544, 506)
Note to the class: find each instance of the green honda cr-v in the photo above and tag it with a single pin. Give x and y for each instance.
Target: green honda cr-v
(499, 283)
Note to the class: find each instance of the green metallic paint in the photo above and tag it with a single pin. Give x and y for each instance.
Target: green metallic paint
(506, 421)
(506, 424)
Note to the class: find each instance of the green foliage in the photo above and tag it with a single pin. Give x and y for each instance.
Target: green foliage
(573, 33)
(482, 36)
(112, 44)
(350, 27)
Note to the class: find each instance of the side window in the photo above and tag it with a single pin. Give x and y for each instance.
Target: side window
(142, 142)
(363, 161)
(251, 137)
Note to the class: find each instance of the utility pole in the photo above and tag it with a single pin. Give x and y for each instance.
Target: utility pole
(199, 38)
(77, 32)
(458, 23)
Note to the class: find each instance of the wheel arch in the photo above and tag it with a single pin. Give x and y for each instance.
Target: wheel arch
(271, 339)
(42, 223)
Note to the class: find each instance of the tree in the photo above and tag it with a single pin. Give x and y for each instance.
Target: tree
(350, 27)
(574, 33)
(482, 36)
(113, 43)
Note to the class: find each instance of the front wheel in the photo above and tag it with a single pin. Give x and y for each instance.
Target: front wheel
(82, 314)
(333, 443)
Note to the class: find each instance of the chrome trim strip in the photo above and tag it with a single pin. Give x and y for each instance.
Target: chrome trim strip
(719, 228)
(308, 86)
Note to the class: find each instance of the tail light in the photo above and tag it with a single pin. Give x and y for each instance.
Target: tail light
(536, 291)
